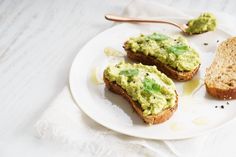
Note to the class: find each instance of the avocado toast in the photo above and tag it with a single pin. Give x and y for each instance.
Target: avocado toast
(171, 55)
(151, 93)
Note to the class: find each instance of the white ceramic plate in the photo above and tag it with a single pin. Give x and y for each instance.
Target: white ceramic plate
(196, 113)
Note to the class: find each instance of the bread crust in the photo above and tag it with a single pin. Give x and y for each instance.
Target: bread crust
(221, 93)
(169, 71)
(153, 119)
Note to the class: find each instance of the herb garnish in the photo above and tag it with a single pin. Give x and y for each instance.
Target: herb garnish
(151, 86)
(157, 37)
(129, 72)
(178, 49)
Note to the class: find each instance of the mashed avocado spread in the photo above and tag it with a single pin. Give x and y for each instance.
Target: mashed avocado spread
(204, 23)
(173, 51)
(145, 84)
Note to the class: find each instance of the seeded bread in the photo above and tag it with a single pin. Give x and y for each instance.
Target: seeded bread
(169, 71)
(152, 119)
(220, 78)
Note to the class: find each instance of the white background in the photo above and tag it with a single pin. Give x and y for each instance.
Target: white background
(38, 41)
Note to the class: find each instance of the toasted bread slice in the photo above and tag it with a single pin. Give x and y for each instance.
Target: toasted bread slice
(169, 71)
(171, 55)
(151, 119)
(220, 78)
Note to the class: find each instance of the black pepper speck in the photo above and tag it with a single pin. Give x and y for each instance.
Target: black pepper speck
(222, 107)
(205, 44)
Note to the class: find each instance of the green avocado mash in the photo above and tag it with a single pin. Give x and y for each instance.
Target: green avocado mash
(204, 23)
(145, 84)
(173, 51)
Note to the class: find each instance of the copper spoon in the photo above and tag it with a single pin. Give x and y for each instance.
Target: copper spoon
(116, 18)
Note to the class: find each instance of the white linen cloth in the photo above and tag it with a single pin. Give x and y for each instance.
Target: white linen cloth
(63, 122)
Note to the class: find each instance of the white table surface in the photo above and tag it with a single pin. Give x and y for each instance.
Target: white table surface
(38, 41)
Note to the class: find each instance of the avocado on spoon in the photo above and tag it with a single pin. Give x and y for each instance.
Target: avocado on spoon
(204, 23)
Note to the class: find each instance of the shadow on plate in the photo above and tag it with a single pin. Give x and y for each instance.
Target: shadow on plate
(121, 103)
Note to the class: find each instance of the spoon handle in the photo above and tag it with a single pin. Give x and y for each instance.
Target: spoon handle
(139, 20)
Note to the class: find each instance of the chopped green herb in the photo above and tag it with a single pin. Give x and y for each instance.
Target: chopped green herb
(157, 37)
(178, 49)
(129, 72)
(151, 86)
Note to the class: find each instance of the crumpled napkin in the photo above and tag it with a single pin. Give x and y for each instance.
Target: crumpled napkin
(63, 122)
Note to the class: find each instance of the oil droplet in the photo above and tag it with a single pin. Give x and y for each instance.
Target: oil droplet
(191, 86)
(200, 121)
(176, 126)
(112, 52)
(94, 77)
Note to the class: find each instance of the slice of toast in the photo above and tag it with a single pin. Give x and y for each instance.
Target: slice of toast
(151, 119)
(220, 78)
(169, 71)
